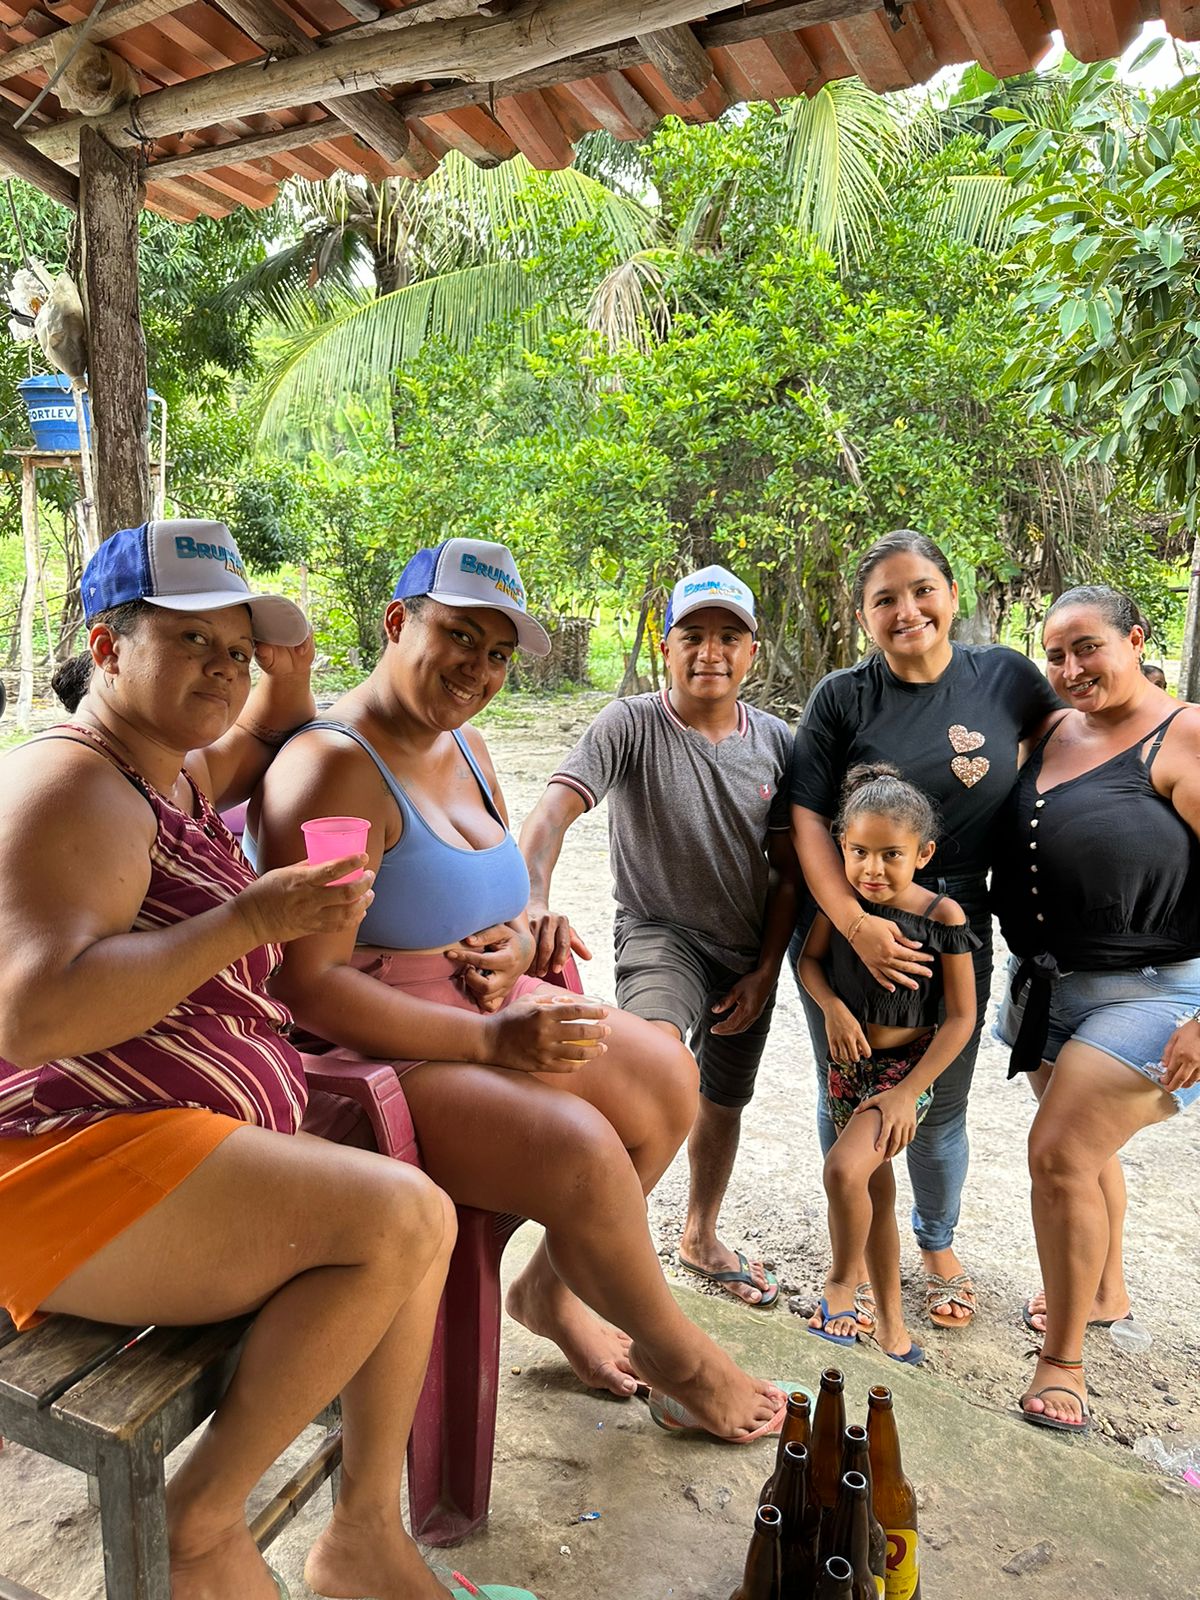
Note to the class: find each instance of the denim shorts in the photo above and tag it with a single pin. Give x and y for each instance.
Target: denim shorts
(1128, 1015)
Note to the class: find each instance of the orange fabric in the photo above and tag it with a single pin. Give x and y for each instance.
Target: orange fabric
(64, 1195)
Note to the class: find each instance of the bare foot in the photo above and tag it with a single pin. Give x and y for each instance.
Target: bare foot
(208, 1567)
(717, 1393)
(1103, 1310)
(370, 1557)
(947, 1265)
(892, 1335)
(710, 1255)
(838, 1296)
(598, 1354)
(1056, 1405)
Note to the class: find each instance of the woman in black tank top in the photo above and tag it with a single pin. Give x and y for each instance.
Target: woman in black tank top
(1098, 892)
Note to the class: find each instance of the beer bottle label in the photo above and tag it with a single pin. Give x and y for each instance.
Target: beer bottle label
(903, 1568)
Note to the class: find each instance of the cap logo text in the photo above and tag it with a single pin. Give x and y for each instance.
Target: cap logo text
(506, 582)
(189, 549)
(711, 586)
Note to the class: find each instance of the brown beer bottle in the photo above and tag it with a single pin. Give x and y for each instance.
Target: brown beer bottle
(856, 1457)
(850, 1537)
(796, 1430)
(760, 1581)
(895, 1500)
(798, 1540)
(835, 1580)
(825, 1451)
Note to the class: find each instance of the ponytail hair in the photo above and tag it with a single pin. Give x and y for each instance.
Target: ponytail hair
(877, 787)
(70, 680)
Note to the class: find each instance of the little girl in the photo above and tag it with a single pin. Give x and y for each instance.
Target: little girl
(886, 1047)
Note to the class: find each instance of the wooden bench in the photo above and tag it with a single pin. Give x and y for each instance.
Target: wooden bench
(114, 1402)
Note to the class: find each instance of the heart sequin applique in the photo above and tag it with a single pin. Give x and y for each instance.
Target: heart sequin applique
(962, 741)
(969, 769)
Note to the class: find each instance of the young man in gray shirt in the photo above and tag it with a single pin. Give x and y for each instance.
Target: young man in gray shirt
(704, 878)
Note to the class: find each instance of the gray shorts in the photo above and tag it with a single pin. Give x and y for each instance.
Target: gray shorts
(665, 975)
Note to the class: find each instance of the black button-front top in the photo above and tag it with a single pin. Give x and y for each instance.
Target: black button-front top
(1097, 874)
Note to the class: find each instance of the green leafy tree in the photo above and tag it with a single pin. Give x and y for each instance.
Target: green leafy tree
(1111, 336)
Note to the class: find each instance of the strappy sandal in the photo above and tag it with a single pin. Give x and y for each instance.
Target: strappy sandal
(953, 1291)
(1039, 1418)
(864, 1308)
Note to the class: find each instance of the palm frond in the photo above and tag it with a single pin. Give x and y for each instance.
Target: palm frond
(269, 286)
(353, 347)
(629, 304)
(834, 148)
(499, 199)
(976, 208)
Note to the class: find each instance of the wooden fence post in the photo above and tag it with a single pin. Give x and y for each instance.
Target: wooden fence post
(109, 205)
(29, 529)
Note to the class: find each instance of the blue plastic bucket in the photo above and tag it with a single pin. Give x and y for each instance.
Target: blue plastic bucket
(51, 407)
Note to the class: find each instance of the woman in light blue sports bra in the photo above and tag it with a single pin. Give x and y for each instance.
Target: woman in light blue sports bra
(525, 1099)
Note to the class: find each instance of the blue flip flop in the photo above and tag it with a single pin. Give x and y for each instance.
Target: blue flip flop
(279, 1584)
(742, 1275)
(913, 1357)
(827, 1317)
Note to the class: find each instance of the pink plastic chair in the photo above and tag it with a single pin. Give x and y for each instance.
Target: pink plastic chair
(454, 1429)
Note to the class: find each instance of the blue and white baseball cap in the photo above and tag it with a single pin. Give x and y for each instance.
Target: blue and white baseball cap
(711, 586)
(185, 564)
(479, 576)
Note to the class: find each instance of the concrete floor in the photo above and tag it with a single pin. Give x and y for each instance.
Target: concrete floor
(675, 1513)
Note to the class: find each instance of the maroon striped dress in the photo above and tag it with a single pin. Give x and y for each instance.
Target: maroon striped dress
(222, 1048)
(90, 1143)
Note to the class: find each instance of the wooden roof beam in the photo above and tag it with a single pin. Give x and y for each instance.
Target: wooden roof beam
(19, 159)
(373, 119)
(681, 59)
(535, 33)
(605, 65)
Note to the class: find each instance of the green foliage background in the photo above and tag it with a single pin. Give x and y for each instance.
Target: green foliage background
(704, 348)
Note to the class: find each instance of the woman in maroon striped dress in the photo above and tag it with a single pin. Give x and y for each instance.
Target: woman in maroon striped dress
(151, 1164)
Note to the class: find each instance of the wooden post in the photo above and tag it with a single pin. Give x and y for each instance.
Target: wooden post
(29, 528)
(109, 204)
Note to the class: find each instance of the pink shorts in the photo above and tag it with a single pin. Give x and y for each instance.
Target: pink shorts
(431, 977)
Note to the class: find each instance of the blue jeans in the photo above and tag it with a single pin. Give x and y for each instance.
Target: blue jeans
(939, 1155)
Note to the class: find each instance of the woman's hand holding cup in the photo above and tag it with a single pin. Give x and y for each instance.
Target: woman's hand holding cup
(293, 902)
(328, 893)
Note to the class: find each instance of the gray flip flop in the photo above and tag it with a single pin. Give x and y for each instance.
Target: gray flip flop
(742, 1275)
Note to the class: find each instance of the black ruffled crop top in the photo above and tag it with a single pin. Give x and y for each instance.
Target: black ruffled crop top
(902, 1008)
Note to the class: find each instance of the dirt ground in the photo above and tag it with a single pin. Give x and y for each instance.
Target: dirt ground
(49, 1536)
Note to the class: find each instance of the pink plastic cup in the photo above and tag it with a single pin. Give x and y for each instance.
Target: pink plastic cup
(330, 838)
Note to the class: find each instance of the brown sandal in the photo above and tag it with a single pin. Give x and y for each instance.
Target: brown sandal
(955, 1291)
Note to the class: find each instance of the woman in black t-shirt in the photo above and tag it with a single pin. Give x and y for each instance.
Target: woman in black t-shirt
(951, 717)
(1098, 892)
